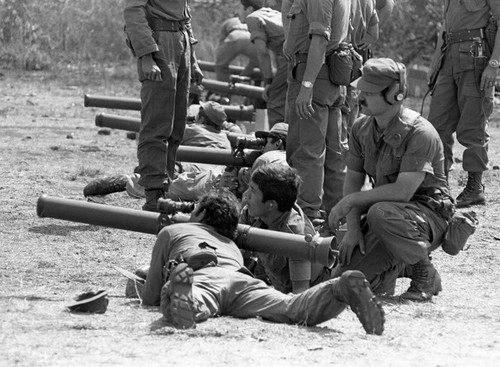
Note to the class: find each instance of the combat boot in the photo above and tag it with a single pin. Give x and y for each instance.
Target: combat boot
(176, 298)
(425, 281)
(473, 193)
(152, 197)
(105, 186)
(353, 289)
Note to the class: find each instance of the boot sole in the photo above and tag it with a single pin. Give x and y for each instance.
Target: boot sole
(364, 303)
(181, 298)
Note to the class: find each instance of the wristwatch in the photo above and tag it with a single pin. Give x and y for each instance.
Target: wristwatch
(307, 84)
(494, 63)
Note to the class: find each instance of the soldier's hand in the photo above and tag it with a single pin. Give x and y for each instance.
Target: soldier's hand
(303, 103)
(488, 78)
(348, 244)
(196, 74)
(339, 211)
(150, 68)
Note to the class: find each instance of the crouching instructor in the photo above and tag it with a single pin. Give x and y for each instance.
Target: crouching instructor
(404, 217)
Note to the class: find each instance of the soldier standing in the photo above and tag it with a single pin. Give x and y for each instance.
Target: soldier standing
(462, 100)
(161, 38)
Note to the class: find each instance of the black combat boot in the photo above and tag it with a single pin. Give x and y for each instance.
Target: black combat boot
(425, 281)
(354, 290)
(152, 197)
(176, 298)
(106, 185)
(473, 193)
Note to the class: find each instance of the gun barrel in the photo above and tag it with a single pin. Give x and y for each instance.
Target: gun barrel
(317, 249)
(222, 157)
(233, 69)
(121, 103)
(233, 88)
(134, 124)
(126, 103)
(234, 113)
(97, 214)
(118, 122)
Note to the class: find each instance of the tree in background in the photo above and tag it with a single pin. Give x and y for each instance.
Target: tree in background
(52, 34)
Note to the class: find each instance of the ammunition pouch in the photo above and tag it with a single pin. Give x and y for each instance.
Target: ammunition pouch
(460, 228)
(197, 257)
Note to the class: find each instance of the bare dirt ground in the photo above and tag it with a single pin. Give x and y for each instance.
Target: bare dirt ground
(50, 145)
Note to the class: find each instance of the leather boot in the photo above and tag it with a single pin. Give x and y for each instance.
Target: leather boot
(473, 193)
(106, 185)
(176, 298)
(354, 290)
(152, 197)
(425, 281)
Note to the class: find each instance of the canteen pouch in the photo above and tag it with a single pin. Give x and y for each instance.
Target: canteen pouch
(461, 226)
(340, 66)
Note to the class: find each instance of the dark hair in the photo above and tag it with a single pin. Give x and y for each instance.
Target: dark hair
(278, 182)
(256, 5)
(222, 210)
(275, 137)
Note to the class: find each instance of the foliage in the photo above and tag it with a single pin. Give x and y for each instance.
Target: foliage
(51, 34)
(411, 31)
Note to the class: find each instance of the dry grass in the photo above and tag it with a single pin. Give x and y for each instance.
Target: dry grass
(49, 145)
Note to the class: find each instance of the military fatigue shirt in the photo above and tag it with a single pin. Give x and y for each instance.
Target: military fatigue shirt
(409, 144)
(266, 24)
(176, 239)
(280, 269)
(469, 14)
(326, 18)
(137, 13)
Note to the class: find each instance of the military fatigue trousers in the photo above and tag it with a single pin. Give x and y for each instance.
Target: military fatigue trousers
(164, 109)
(221, 292)
(395, 234)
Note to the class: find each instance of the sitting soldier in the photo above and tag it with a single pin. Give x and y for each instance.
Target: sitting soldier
(271, 204)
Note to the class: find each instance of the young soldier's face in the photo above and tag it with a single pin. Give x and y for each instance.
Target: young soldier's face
(256, 208)
(271, 144)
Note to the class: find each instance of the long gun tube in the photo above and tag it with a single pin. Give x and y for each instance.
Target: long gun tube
(233, 69)
(235, 113)
(316, 249)
(221, 157)
(134, 124)
(209, 84)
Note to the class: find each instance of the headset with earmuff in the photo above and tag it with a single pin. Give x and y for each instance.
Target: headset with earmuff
(397, 91)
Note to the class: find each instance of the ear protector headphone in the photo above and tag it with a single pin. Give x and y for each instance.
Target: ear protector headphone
(397, 91)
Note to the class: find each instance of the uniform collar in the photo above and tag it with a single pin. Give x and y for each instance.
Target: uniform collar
(398, 128)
